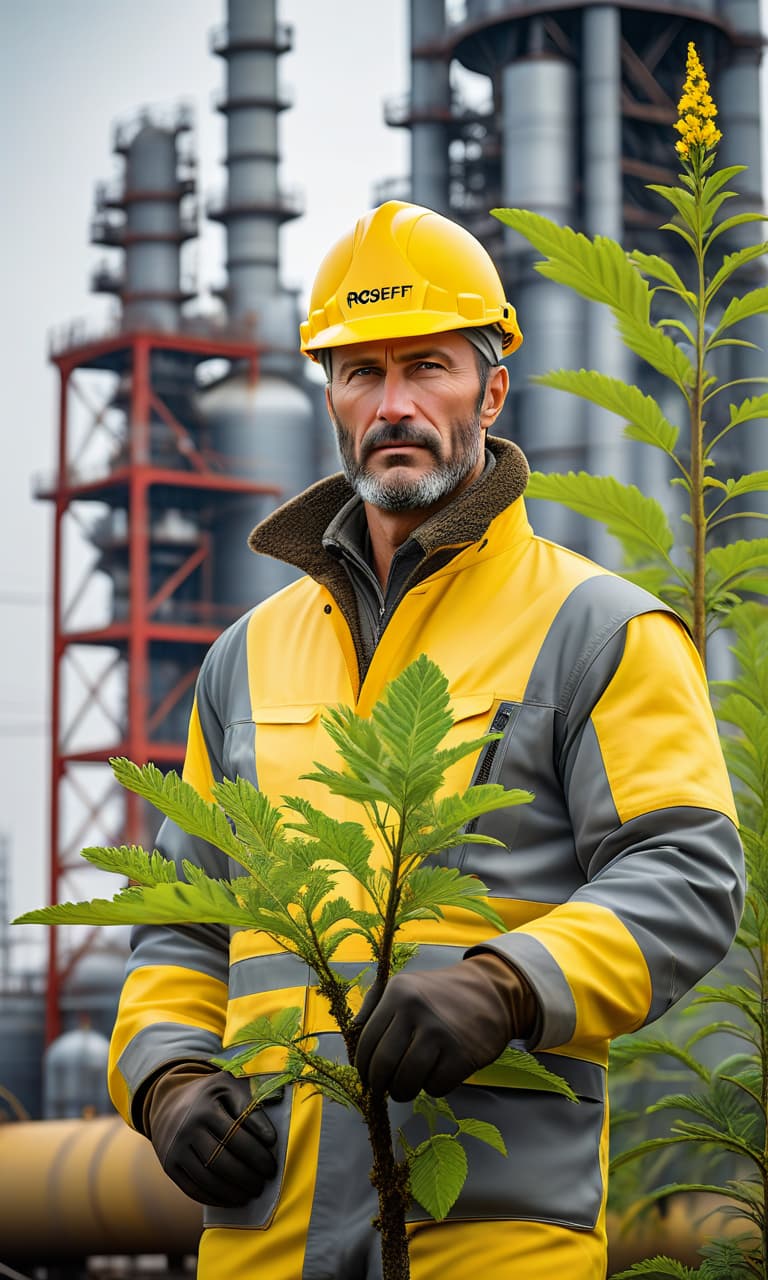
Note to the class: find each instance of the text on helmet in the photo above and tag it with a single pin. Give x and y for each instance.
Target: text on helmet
(380, 294)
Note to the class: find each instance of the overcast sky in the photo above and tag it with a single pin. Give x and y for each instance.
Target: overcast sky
(68, 69)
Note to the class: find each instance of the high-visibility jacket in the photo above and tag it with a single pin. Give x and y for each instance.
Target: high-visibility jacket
(620, 884)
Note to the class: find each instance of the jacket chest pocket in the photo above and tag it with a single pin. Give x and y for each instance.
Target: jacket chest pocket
(274, 747)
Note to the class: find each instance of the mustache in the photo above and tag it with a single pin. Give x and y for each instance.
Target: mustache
(399, 433)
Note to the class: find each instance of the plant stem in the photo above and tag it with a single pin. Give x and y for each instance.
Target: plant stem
(698, 515)
(390, 1178)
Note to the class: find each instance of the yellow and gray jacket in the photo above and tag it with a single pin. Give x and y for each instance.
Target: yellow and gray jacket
(620, 884)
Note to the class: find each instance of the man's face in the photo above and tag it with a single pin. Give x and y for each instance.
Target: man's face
(407, 417)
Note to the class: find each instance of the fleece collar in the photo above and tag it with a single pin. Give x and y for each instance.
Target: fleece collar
(294, 532)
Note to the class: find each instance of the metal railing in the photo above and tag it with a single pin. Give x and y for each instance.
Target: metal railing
(174, 118)
(286, 200)
(281, 99)
(401, 110)
(219, 39)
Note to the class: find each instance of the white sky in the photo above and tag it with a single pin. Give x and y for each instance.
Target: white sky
(68, 69)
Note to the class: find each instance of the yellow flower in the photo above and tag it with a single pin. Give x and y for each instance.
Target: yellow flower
(696, 108)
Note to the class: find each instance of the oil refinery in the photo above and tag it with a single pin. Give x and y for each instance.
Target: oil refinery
(179, 428)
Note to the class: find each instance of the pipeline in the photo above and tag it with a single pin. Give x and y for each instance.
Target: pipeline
(74, 1188)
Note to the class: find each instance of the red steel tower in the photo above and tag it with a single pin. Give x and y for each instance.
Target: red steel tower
(139, 473)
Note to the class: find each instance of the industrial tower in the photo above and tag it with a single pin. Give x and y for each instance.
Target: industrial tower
(576, 118)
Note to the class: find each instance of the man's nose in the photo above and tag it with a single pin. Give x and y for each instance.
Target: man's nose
(395, 400)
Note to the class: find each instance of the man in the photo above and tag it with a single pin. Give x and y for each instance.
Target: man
(621, 883)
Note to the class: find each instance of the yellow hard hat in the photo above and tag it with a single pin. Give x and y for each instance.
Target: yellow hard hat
(405, 271)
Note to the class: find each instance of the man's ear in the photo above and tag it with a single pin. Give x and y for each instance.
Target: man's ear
(495, 395)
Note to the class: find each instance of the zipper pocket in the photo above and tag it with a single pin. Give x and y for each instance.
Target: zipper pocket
(498, 725)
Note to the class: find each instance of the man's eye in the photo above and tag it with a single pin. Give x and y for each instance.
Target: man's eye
(364, 371)
(429, 364)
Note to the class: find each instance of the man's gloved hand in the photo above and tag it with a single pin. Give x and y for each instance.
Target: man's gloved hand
(193, 1116)
(430, 1030)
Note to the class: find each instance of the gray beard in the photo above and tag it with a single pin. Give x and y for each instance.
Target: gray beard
(404, 494)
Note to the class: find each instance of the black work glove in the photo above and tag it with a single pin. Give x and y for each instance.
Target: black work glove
(193, 1116)
(430, 1030)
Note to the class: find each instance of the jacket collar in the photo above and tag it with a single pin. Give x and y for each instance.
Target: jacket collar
(294, 532)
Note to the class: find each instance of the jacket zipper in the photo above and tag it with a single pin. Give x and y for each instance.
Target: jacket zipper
(498, 725)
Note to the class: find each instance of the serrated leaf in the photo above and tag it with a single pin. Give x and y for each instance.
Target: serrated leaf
(682, 201)
(210, 902)
(659, 269)
(657, 349)
(256, 819)
(343, 842)
(644, 418)
(751, 304)
(749, 409)
(180, 802)
(599, 270)
(281, 1028)
(134, 862)
(484, 1132)
(517, 1069)
(412, 718)
(659, 1268)
(731, 263)
(737, 220)
(753, 482)
(427, 891)
(638, 521)
(741, 565)
(437, 1173)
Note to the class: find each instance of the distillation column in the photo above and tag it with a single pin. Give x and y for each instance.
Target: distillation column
(264, 426)
(430, 106)
(539, 113)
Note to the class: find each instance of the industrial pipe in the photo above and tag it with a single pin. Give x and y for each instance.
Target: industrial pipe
(73, 1188)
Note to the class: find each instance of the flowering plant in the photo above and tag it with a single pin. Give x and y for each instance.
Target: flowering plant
(724, 1114)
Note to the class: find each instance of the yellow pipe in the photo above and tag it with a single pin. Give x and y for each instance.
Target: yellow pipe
(71, 1188)
(74, 1188)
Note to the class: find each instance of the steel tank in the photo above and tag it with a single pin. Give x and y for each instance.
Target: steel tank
(266, 428)
(539, 96)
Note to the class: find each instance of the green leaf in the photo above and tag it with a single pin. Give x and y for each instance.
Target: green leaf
(412, 718)
(516, 1069)
(484, 1132)
(210, 902)
(179, 802)
(657, 349)
(682, 201)
(597, 269)
(739, 566)
(659, 269)
(427, 891)
(738, 220)
(438, 1171)
(659, 1268)
(264, 1032)
(639, 522)
(749, 409)
(753, 482)
(731, 263)
(134, 862)
(751, 304)
(644, 418)
(257, 821)
(345, 843)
